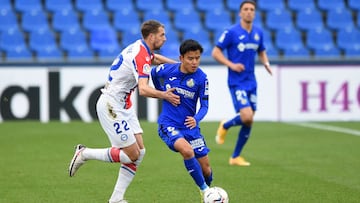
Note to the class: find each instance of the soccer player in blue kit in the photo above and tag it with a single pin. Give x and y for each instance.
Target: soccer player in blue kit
(178, 126)
(242, 42)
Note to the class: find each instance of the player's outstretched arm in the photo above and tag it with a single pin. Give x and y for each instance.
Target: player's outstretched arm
(160, 59)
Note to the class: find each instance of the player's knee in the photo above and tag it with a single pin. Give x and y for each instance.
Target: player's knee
(187, 152)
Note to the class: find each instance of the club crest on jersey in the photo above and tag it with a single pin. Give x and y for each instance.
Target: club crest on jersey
(190, 82)
(146, 68)
(256, 37)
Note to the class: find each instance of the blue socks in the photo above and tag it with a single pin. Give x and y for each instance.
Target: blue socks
(194, 169)
(233, 122)
(244, 135)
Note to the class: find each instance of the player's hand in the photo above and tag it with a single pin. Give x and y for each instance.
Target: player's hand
(237, 67)
(171, 97)
(190, 122)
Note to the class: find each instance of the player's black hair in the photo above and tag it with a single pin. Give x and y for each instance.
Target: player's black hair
(247, 1)
(190, 45)
(150, 26)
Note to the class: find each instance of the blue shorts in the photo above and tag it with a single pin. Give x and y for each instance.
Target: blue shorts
(242, 98)
(170, 134)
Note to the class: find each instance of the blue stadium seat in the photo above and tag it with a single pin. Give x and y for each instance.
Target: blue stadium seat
(183, 20)
(202, 36)
(302, 5)
(267, 38)
(89, 5)
(266, 5)
(354, 5)
(95, 19)
(58, 5)
(104, 39)
(159, 15)
(8, 20)
(217, 20)
(172, 36)
(233, 5)
(348, 39)
(289, 39)
(327, 52)
(339, 19)
(271, 51)
(121, 6)
(49, 53)
(42, 41)
(109, 54)
(11, 40)
(170, 50)
(21, 53)
(123, 21)
(258, 21)
(320, 39)
(279, 19)
(176, 5)
(5, 5)
(352, 53)
(72, 40)
(130, 36)
(146, 5)
(309, 19)
(326, 5)
(28, 5)
(300, 52)
(64, 20)
(35, 20)
(80, 53)
(210, 5)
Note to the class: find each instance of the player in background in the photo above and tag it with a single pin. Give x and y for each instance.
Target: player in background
(242, 42)
(117, 116)
(178, 126)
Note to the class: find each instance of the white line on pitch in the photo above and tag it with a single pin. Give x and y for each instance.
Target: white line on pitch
(328, 128)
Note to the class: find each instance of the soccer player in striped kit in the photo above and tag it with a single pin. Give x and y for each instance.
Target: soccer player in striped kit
(242, 42)
(117, 116)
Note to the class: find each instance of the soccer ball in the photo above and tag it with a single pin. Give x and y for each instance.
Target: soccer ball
(216, 195)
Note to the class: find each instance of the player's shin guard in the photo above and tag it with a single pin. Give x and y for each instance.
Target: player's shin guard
(126, 175)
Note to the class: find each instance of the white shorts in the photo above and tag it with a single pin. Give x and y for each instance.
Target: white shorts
(119, 124)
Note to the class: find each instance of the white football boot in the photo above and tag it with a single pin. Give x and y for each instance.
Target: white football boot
(77, 160)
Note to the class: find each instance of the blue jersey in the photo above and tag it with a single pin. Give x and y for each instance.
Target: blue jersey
(242, 47)
(190, 88)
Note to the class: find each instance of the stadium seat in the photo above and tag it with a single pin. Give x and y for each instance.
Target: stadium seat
(298, 52)
(233, 5)
(146, 5)
(89, 5)
(327, 52)
(215, 20)
(170, 50)
(352, 53)
(172, 36)
(258, 21)
(80, 53)
(176, 5)
(42, 41)
(64, 20)
(320, 39)
(326, 5)
(124, 21)
(27, 5)
(58, 5)
(339, 19)
(266, 5)
(104, 39)
(49, 53)
(279, 19)
(309, 19)
(20, 53)
(302, 5)
(354, 5)
(8, 20)
(121, 6)
(35, 20)
(5, 5)
(109, 54)
(159, 15)
(130, 36)
(72, 40)
(210, 5)
(348, 39)
(95, 19)
(11, 40)
(289, 39)
(183, 20)
(202, 36)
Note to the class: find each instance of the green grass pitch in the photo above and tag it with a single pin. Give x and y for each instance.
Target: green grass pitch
(289, 163)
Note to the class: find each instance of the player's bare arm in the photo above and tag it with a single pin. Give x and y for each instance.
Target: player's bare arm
(218, 55)
(265, 60)
(147, 91)
(160, 59)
